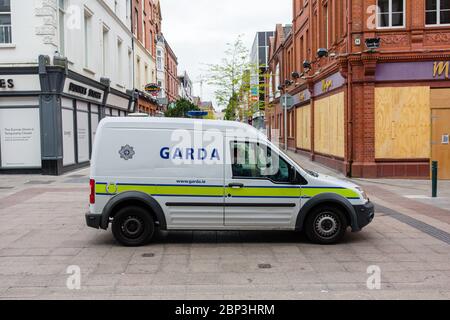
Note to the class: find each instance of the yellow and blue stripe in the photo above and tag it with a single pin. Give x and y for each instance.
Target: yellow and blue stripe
(218, 191)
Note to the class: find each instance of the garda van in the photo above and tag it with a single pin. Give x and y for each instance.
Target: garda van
(182, 174)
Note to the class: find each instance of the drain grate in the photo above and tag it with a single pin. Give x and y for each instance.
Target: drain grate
(265, 266)
(6, 188)
(416, 224)
(35, 182)
(82, 180)
(148, 255)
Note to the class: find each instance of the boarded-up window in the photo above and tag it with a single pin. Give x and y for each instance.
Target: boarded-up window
(402, 123)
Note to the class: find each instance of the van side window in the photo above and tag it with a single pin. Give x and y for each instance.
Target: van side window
(256, 161)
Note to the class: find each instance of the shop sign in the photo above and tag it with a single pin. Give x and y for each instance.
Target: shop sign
(6, 83)
(441, 68)
(303, 96)
(407, 71)
(22, 82)
(153, 89)
(77, 89)
(331, 83)
(326, 85)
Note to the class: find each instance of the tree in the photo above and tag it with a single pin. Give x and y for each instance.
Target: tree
(227, 77)
(182, 107)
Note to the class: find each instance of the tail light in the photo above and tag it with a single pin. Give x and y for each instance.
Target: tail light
(92, 195)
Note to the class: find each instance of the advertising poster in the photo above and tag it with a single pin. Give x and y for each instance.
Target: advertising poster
(83, 136)
(68, 138)
(20, 137)
(94, 126)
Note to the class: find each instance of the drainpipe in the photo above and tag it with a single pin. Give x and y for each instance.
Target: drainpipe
(349, 88)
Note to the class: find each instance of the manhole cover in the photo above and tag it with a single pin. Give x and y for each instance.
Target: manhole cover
(264, 266)
(39, 182)
(148, 255)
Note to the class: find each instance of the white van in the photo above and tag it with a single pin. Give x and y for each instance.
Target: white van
(181, 174)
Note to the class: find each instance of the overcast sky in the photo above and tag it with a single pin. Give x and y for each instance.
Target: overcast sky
(198, 30)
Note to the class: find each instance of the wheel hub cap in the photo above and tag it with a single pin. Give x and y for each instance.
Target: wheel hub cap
(326, 225)
(132, 227)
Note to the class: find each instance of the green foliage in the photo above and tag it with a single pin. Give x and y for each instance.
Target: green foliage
(228, 75)
(231, 109)
(182, 107)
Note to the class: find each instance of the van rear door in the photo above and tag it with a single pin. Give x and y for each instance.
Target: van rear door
(258, 191)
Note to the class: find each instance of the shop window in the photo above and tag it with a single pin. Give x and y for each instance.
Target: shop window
(87, 38)
(159, 62)
(5, 21)
(391, 13)
(255, 161)
(437, 12)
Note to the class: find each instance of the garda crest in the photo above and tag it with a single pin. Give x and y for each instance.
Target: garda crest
(127, 152)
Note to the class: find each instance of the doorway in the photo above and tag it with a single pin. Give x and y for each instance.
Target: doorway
(440, 130)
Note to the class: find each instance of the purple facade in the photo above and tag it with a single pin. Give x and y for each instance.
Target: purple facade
(411, 71)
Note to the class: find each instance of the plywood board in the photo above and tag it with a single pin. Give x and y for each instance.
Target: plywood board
(441, 145)
(402, 123)
(440, 98)
(329, 130)
(304, 127)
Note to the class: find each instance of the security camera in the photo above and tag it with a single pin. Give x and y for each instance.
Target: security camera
(373, 43)
(322, 52)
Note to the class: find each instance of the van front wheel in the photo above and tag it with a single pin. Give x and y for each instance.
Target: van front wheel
(326, 225)
(133, 227)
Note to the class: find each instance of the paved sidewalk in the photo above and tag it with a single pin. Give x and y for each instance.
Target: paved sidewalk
(411, 194)
(43, 232)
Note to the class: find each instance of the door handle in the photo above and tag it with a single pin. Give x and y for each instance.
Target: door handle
(236, 185)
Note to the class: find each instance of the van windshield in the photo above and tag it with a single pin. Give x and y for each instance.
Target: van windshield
(284, 155)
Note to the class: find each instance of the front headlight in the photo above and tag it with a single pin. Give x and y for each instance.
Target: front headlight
(363, 193)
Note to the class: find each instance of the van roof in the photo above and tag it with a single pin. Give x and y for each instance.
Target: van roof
(183, 124)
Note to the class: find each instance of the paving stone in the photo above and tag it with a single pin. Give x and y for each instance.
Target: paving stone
(38, 245)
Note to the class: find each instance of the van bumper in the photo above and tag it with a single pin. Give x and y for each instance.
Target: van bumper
(93, 220)
(364, 214)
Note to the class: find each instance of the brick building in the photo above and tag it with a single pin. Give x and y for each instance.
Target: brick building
(368, 113)
(172, 90)
(146, 26)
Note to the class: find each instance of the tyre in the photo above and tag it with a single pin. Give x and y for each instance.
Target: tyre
(133, 226)
(326, 225)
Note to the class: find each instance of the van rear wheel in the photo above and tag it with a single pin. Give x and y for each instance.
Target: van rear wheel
(133, 226)
(326, 225)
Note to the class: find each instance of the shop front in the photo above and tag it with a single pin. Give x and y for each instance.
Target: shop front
(302, 102)
(49, 116)
(412, 118)
(325, 114)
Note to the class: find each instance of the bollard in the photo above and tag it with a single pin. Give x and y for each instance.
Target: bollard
(434, 178)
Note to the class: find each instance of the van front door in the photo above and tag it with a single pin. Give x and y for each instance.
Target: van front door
(258, 189)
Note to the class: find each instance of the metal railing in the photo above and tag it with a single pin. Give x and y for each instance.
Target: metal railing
(5, 34)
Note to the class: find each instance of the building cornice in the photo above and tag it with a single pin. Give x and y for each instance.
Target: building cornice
(116, 18)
